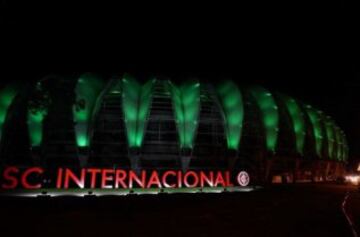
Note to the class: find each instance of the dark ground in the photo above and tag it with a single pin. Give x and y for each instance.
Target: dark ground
(301, 210)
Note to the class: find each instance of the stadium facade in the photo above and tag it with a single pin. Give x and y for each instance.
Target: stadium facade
(161, 125)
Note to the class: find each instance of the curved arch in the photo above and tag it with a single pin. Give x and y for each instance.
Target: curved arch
(186, 105)
(231, 101)
(298, 122)
(330, 134)
(270, 115)
(136, 105)
(342, 153)
(315, 119)
(7, 96)
(88, 88)
(339, 144)
(37, 110)
(113, 86)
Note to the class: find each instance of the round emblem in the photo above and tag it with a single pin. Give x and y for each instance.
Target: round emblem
(243, 178)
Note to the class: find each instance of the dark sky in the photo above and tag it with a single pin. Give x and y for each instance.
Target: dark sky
(307, 50)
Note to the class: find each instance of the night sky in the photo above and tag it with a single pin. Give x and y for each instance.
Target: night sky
(308, 51)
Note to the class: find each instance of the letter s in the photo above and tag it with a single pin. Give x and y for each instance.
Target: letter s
(8, 177)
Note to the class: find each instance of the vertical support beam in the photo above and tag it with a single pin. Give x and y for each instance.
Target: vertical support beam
(268, 170)
(327, 169)
(296, 170)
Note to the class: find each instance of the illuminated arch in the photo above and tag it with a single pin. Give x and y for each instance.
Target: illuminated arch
(315, 119)
(270, 115)
(339, 144)
(330, 134)
(343, 146)
(298, 122)
(38, 105)
(233, 107)
(186, 104)
(7, 96)
(87, 90)
(136, 106)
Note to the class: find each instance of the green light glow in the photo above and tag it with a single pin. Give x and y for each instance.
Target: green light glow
(298, 122)
(270, 116)
(37, 111)
(232, 105)
(186, 104)
(329, 127)
(315, 119)
(136, 105)
(7, 96)
(87, 90)
(35, 126)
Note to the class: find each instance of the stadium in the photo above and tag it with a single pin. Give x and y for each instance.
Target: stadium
(122, 123)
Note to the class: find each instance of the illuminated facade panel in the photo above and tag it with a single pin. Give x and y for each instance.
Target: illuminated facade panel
(186, 105)
(232, 105)
(7, 96)
(329, 127)
(87, 90)
(298, 122)
(38, 105)
(315, 119)
(339, 144)
(270, 116)
(136, 107)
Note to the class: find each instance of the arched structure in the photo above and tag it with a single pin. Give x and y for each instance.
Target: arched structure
(160, 124)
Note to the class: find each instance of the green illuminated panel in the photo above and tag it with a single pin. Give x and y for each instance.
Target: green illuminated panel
(136, 105)
(186, 104)
(232, 105)
(35, 126)
(315, 119)
(87, 89)
(298, 122)
(270, 115)
(330, 134)
(7, 96)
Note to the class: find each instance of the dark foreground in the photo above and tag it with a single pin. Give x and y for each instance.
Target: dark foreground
(300, 210)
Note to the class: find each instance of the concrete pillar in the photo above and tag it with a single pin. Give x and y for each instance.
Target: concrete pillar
(185, 163)
(296, 170)
(327, 169)
(268, 166)
(135, 161)
(83, 159)
(315, 170)
(232, 157)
